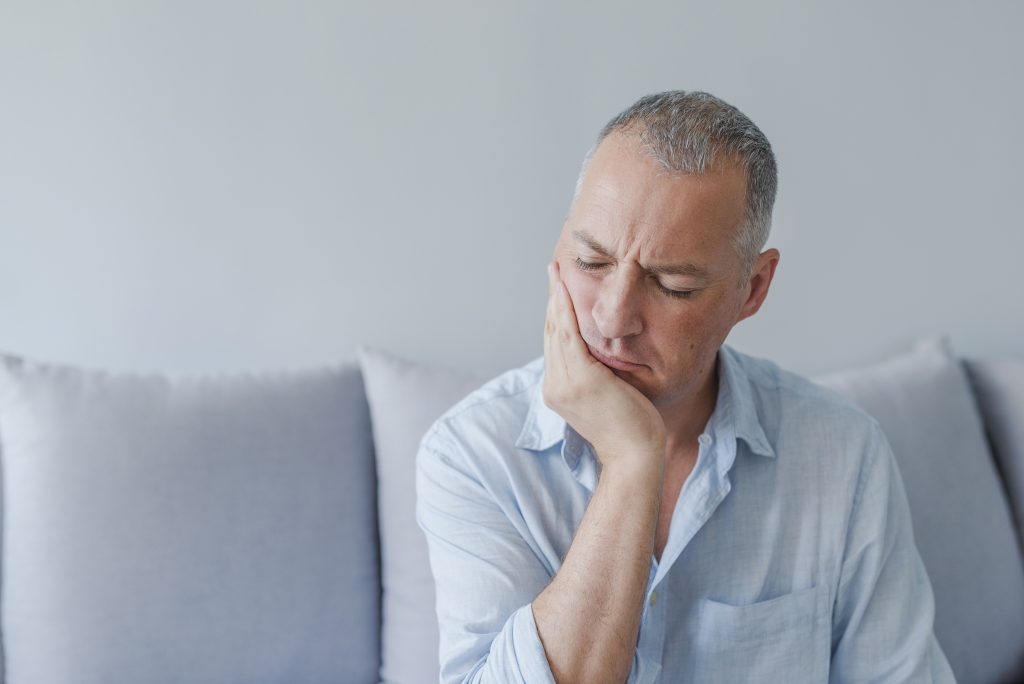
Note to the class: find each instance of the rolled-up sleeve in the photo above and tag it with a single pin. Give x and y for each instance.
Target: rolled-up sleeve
(882, 628)
(485, 574)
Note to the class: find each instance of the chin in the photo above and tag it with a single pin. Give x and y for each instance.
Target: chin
(632, 378)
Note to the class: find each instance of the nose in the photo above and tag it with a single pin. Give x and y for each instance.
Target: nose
(618, 306)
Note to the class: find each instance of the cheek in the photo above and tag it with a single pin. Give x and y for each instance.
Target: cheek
(685, 334)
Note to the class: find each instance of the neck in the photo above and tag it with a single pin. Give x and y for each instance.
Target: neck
(686, 419)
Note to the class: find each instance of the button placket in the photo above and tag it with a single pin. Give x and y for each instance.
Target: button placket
(651, 634)
(701, 494)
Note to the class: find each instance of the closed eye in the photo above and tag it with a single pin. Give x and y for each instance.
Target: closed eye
(587, 265)
(678, 294)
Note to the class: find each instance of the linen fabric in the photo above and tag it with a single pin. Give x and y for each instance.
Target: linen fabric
(790, 556)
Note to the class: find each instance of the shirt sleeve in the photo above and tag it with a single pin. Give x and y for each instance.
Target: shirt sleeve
(485, 575)
(882, 624)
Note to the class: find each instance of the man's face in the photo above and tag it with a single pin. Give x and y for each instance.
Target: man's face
(625, 250)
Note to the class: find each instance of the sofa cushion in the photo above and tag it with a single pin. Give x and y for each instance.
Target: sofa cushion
(204, 528)
(405, 399)
(961, 519)
(999, 388)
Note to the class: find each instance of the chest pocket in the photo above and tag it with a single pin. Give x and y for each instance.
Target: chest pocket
(784, 639)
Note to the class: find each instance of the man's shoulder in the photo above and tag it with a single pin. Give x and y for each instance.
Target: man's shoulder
(818, 434)
(787, 400)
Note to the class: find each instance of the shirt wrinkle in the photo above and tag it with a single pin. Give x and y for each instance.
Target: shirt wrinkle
(748, 588)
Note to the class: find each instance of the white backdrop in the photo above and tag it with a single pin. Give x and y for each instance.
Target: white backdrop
(230, 184)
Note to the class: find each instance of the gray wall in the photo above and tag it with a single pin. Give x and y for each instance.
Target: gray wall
(230, 184)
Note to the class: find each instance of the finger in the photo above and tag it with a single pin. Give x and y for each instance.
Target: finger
(554, 360)
(567, 320)
(549, 314)
(568, 342)
(550, 319)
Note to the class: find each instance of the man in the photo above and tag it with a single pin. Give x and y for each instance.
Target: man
(645, 503)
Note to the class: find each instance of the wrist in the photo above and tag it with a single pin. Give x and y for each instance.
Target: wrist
(642, 464)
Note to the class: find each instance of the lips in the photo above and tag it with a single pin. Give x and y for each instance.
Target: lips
(614, 362)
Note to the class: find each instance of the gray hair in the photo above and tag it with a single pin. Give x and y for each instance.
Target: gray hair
(685, 131)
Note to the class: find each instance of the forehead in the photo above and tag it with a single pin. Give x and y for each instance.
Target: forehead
(628, 201)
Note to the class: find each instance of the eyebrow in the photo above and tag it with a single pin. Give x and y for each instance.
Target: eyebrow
(684, 269)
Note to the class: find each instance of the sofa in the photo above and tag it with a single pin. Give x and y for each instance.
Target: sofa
(259, 526)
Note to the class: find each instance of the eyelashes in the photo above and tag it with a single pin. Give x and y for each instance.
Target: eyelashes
(588, 266)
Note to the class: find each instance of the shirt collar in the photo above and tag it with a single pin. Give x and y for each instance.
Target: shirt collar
(543, 427)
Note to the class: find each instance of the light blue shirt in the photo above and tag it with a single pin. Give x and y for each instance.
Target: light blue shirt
(790, 556)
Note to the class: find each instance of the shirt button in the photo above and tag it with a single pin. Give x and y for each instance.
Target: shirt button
(654, 598)
(705, 439)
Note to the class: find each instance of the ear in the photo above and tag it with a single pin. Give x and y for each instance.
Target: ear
(760, 278)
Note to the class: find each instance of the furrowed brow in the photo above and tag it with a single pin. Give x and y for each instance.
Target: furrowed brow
(587, 239)
(684, 269)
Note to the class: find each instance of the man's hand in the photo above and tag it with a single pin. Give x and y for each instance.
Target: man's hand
(615, 417)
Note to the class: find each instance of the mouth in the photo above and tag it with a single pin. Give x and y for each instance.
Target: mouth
(613, 362)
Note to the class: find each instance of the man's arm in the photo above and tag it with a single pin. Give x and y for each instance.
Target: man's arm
(498, 622)
(882, 625)
(492, 605)
(588, 618)
(485, 575)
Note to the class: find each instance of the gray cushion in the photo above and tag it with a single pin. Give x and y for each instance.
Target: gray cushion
(999, 388)
(961, 519)
(405, 399)
(166, 528)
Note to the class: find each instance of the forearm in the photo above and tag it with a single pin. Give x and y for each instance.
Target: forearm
(588, 616)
